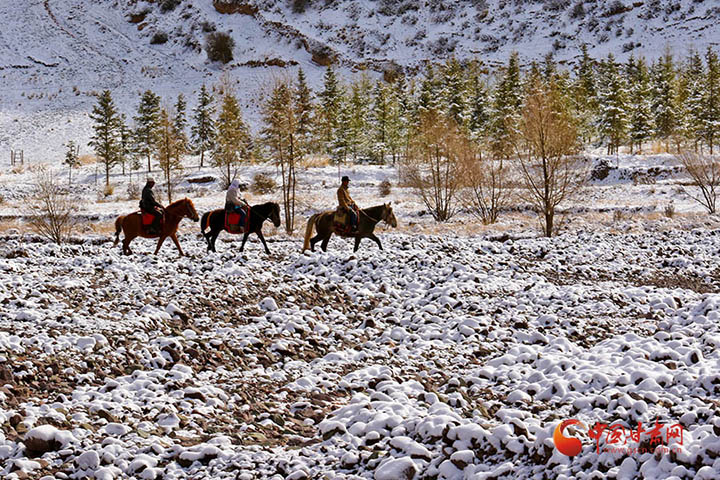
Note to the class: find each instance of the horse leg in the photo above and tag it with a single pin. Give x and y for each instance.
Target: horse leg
(212, 240)
(357, 244)
(313, 241)
(207, 236)
(262, 239)
(376, 239)
(177, 244)
(126, 246)
(245, 237)
(325, 242)
(160, 242)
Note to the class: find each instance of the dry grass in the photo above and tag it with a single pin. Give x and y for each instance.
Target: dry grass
(87, 159)
(316, 161)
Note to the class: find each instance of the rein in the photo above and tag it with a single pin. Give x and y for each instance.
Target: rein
(260, 215)
(371, 218)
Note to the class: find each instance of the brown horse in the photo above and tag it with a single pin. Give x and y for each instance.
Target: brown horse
(367, 219)
(131, 225)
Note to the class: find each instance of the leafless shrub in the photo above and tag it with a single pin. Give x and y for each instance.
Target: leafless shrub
(50, 208)
(669, 210)
(219, 47)
(705, 172)
(488, 187)
(262, 184)
(133, 191)
(551, 171)
(433, 165)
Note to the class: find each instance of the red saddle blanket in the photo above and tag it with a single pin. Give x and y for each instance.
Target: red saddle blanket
(236, 222)
(146, 220)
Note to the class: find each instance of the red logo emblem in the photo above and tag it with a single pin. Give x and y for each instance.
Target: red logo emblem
(569, 446)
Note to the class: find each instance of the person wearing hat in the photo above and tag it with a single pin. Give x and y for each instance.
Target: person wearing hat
(346, 202)
(233, 200)
(150, 205)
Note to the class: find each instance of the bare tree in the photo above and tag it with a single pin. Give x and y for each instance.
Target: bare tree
(546, 148)
(488, 186)
(433, 164)
(169, 149)
(50, 209)
(705, 172)
(285, 144)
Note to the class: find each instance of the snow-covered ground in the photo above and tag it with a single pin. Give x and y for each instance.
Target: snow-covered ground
(452, 354)
(441, 357)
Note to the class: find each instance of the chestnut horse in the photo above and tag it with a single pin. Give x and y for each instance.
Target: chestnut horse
(367, 219)
(131, 225)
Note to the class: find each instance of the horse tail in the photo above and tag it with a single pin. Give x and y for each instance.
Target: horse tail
(308, 231)
(118, 229)
(205, 222)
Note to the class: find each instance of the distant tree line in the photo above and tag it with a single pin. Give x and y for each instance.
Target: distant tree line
(488, 119)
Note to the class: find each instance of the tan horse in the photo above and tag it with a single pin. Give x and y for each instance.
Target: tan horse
(367, 219)
(131, 225)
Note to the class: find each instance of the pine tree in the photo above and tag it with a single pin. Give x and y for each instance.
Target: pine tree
(329, 111)
(358, 101)
(664, 95)
(584, 95)
(106, 139)
(396, 125)
(71, 158)
(304, 110)
(146, 125)
(478, 104)
(126, 143)
(694, 79)
(407, 110)
(379, 120)
(429, 95)
(505, 112)
(640, 96)
(452, 92)
(232, 140)
(169, 147)
(340, 144)
(203, 129)
(710, 116)
(613, 120)
(180, 124)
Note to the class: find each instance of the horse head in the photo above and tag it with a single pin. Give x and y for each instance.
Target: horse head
(389, 216)
(190, 212)
(275, 214)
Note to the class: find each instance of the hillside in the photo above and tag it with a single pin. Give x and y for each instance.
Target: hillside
(56, 53)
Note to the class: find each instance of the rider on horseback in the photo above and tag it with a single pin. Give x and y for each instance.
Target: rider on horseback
(150, 205)
(346, 203)
(234, 202)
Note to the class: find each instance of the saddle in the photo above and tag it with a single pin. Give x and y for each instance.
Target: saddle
(146, 222)
(237, 221)
(341, 222)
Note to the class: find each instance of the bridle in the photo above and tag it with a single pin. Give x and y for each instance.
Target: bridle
(384, 217)
(260, 215)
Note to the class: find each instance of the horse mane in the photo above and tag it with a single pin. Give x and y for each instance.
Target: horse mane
(178, 202)
(375, 208)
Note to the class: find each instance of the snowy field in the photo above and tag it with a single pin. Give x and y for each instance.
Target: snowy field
(453, 354)
(442, 357)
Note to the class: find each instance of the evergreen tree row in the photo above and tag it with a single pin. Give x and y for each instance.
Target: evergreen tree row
(672, 101)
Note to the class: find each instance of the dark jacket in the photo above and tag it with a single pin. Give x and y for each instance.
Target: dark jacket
(148, 202)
